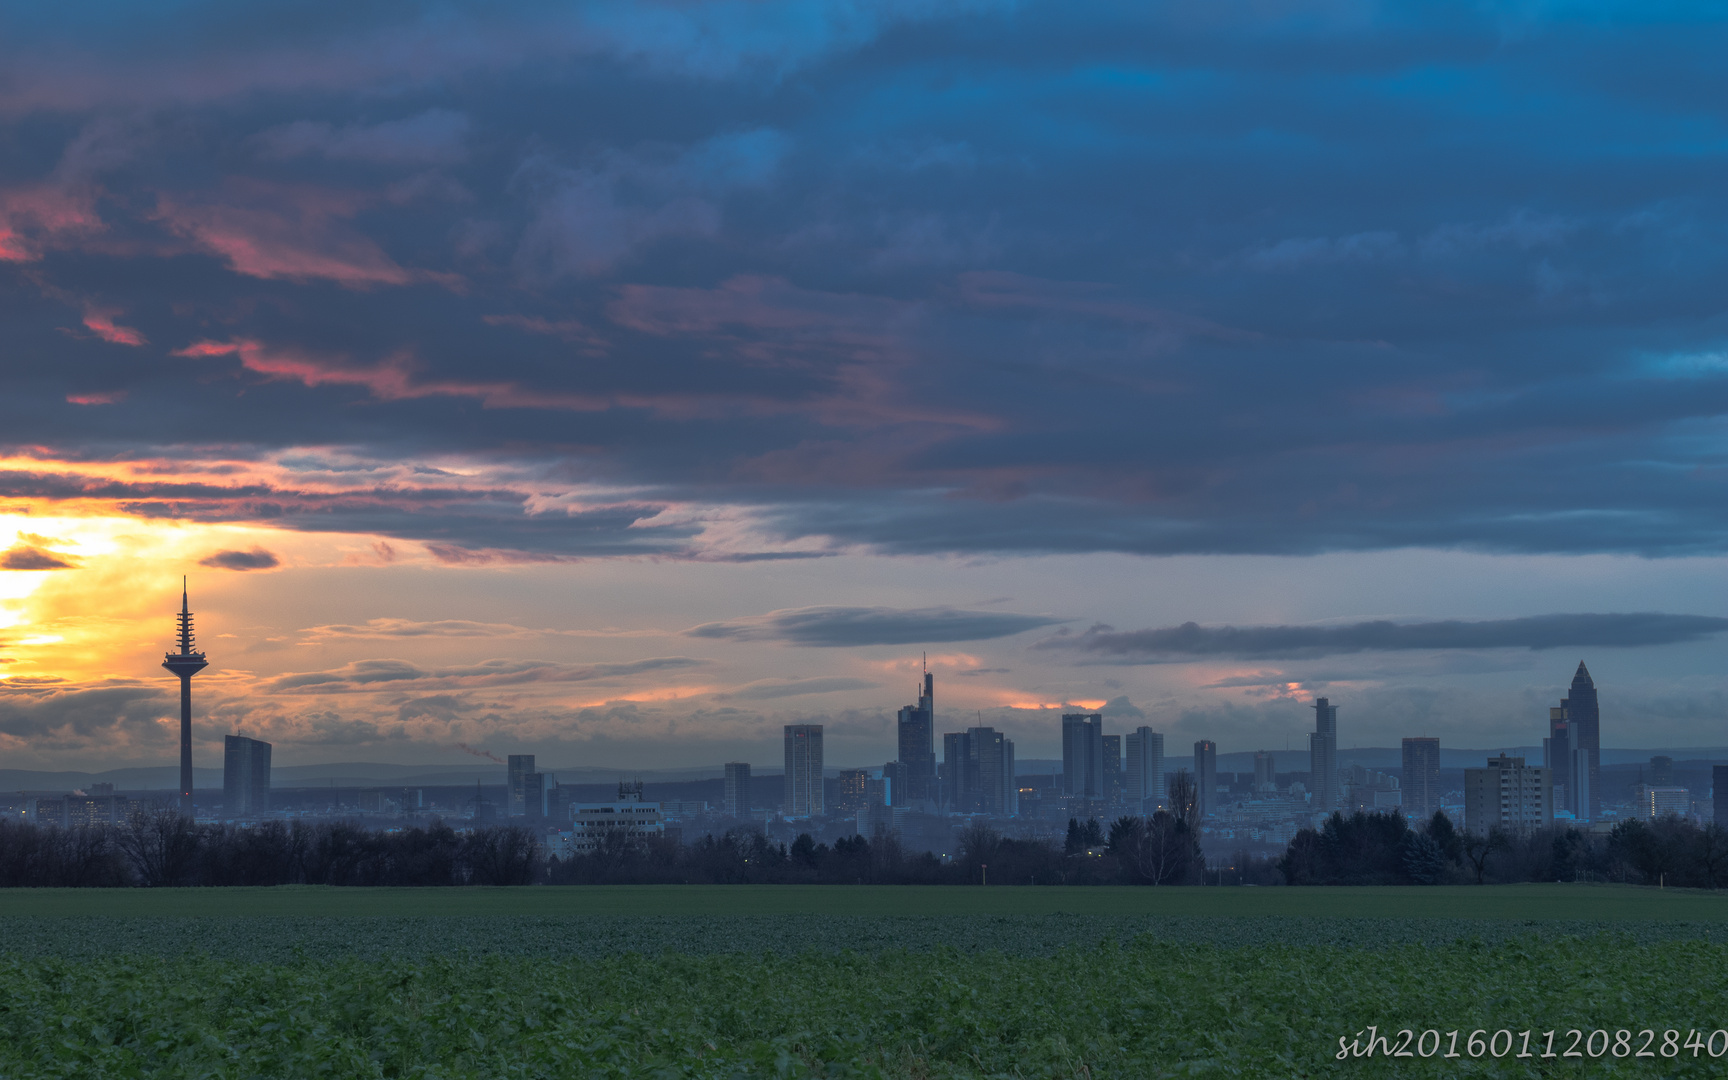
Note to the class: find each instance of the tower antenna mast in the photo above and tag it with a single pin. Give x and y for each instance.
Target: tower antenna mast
(185, 663)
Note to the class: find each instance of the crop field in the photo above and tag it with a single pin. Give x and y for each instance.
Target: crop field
(1147, 1009)
(915, 983)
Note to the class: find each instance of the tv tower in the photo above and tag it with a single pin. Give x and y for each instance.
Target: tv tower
(185, 663)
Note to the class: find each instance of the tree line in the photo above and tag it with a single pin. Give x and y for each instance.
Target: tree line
(1382, 849)
(1158, 850)
(160, 847)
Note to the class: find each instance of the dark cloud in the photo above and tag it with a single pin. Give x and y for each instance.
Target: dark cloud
(1192, 641)
(51, 716)
(843, 627)
(25, 557)
(755, 260)
(373, 675)
(256, 559)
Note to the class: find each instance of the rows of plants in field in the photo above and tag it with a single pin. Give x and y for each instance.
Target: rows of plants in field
(288, 938)
(1150, 1009)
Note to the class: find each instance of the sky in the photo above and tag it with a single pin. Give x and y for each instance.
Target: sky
(619, 382)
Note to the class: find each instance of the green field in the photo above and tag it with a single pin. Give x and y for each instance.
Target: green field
(902, 982)
(1150, 1009)
(1574, 903)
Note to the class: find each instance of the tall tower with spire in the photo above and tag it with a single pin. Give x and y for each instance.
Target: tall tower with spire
(185, 663)
(1584, 715)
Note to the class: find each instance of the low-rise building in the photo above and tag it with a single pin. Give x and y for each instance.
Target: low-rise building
(626, 818)
(1654, 800)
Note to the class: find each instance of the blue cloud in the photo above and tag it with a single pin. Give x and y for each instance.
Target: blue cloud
(922, 278)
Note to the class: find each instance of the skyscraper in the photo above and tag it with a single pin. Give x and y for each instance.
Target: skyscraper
(854, 790)
(1083, 756)
(1144, 790)
(185, 663)
(1584, 714)
(736, 798)
(1421, 779)
(1557, 754)
(917, 745)
(516, 801)
(535, 785)
(1323, 756)
(1205, 777)
(1265, 769)
(978, 772)
(1719, 793)
(1112, 746)
(245, 777)
(804, 795)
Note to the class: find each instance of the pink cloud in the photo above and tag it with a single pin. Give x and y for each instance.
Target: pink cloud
(32, 219)
(393, 379)
(297, 233)
(100, 321)
(109, 398)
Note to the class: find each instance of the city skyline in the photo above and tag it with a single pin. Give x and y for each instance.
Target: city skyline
(621, 383)
(1095, 765)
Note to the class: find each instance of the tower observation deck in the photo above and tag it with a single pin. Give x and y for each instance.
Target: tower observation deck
(185, 663)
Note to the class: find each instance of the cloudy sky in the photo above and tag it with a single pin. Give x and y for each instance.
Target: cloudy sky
(619, 381)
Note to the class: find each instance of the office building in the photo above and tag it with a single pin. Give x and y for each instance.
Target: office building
(1579, 790)
(1557, 754)
(804, 794)
(1112, 759)
(535, 787)
(1508, 794)
(1205, 777)
(1581, 712)
(1144, 775)
(1083, 756)
(1661, 771)
(515, 801)
(1719, 793)
(1323, 757)
(98, 808)
(627, 821)
(735, 801)
(978, 773)
(854, 790)
(185, 664)
(1655, 800)
(245, 777)
(916, 729)
(1421, 778)
(1265, 771)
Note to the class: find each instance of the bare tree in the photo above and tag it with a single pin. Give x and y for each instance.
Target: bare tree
(1477, 849)
(1183, 797)
(161, 843)
(505, 855)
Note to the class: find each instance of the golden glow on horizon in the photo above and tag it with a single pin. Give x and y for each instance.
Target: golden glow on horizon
(109, 609)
